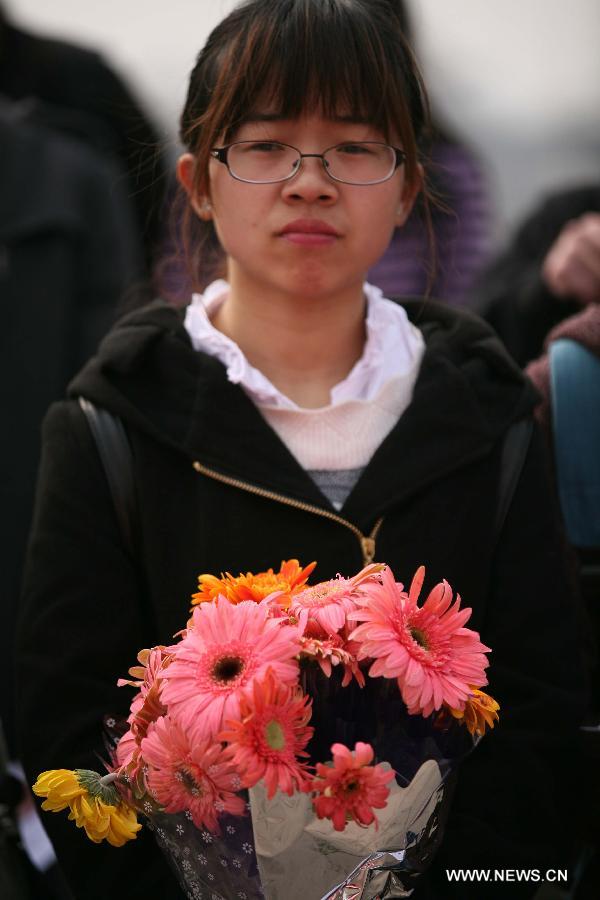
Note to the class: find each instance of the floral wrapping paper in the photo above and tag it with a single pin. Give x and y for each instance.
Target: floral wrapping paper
(209, 866)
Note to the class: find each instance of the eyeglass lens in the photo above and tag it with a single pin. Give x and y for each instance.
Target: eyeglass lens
(267, 161)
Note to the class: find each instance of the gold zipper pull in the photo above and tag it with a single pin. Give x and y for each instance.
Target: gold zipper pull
(368, 549)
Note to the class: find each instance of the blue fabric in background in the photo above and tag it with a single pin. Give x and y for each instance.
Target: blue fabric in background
(575, 387)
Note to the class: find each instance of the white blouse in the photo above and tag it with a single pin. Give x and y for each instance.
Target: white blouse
(393, 350)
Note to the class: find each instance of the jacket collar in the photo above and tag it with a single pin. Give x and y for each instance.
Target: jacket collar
(467, 393)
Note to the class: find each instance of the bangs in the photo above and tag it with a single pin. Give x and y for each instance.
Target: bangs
(288, 57)
(319, 58)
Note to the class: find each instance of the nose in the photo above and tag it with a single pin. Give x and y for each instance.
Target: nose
(311, 183)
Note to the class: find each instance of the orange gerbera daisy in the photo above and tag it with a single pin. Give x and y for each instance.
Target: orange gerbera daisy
(289, 581)
(480, 712)
(270, 736)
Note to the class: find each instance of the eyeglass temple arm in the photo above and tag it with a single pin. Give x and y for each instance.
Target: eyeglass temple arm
(220, 154)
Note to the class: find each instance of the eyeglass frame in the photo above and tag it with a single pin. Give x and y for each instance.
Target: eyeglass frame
(220, 154)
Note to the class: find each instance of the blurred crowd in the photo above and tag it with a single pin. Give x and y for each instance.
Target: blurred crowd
(85, 226)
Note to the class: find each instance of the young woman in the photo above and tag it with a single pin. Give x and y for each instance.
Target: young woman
(292, 411)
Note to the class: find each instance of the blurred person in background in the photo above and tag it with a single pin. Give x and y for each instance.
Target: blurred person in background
(548, 272)
(460, 220)
(84, 97)
(82, 183)
(542, 295)
(69, 249)
(542, 291)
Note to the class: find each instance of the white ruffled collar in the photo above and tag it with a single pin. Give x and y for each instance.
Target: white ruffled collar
(393, 349)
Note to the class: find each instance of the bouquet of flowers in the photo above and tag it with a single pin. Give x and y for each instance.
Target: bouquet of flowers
(296, 741)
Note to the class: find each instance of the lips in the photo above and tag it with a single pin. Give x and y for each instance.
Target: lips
(309, 226)
(312, 232)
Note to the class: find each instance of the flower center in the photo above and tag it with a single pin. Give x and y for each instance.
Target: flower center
(189, 782)
(323, 594)
(274, 735)
(419, 637)
(228, 668)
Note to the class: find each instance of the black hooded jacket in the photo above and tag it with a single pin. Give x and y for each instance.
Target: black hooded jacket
(89, 607)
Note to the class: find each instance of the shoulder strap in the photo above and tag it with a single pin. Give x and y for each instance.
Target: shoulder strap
(117, 461)
(514, 450)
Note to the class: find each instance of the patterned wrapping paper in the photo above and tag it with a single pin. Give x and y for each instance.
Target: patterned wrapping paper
(209, 866)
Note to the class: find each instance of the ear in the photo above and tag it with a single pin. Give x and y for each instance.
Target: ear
(409, 195)
(186, 165)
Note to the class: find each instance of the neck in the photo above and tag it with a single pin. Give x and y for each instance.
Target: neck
(312, 343)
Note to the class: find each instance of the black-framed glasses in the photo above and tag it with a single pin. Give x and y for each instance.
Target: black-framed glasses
(353, 162)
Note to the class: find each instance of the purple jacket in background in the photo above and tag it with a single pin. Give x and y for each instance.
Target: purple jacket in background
(461, 230)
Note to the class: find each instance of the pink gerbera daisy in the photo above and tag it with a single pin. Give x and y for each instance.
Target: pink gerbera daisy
(190, 775)
(146, 707)
(329, 602)
(270, 735)
(150, 664)
(351, 788)
(222, 654)
(127, 751)
(146, 677)
(435, 659)
(333, 651)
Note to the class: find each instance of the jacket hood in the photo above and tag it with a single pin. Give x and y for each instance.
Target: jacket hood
(467, 394)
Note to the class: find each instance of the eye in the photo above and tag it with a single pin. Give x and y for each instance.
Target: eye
(266, 147)
(356, 149)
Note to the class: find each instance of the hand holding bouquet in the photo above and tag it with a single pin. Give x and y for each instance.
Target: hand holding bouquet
(227, 709)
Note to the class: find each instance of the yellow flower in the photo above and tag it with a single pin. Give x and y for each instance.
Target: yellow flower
(93, 801)
(290, 579)
(480, 712)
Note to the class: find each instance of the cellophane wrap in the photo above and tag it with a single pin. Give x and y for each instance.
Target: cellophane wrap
(282, 851)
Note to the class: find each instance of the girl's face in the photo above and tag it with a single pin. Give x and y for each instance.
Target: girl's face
(308, 236)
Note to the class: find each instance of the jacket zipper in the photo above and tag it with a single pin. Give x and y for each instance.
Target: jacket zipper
(367, 542)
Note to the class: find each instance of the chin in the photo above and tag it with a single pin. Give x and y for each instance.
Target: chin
(312, 278)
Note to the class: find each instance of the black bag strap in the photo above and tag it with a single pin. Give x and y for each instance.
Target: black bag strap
(514, 450)
(115, 452)
(117, 460)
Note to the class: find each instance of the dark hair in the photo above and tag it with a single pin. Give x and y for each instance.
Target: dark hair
(295, 55)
